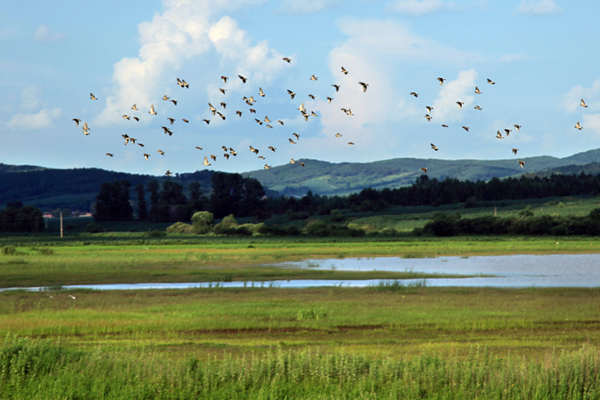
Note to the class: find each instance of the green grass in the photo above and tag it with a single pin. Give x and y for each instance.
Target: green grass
(405, 219)
(326, 343)
(119, 258)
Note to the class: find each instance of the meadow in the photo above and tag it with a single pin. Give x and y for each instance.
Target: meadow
(386, 341)
(391, 340)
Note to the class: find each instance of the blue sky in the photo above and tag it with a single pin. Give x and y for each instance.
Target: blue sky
(540, 54)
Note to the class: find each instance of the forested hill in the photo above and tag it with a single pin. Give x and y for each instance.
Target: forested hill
(77, 188)
(327, 178)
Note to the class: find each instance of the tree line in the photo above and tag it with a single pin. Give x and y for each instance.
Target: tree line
(245, 197)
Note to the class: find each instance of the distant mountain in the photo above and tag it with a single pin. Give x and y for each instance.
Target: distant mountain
(76, 189)
(344, 178)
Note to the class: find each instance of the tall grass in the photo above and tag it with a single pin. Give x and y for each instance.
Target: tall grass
(45, 370)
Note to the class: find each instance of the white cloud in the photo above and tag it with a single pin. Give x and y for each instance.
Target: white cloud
(34, 114)
(419, 7)
(184, 32)
(538, 7)
(307, 7)
(445, 107)
(43, 34)
(572, 99)
(34, 121)
(508, 58)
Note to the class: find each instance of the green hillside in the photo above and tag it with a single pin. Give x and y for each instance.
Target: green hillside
(76, 189)
(343, 178)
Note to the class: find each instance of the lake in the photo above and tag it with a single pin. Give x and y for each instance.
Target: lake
(516, 271)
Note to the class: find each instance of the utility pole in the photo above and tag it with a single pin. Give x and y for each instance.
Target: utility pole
(61, 225)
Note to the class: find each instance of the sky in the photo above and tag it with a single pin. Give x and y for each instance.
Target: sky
(540, 54)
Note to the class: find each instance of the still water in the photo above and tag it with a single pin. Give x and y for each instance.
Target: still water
(558, 270)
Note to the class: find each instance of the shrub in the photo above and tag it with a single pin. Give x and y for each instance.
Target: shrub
(202, 222)
(156, 234)
(180, 227)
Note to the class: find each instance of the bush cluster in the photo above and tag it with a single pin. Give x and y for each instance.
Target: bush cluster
(442, 224)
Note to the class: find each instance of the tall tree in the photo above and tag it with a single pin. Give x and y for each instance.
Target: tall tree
(142, 207)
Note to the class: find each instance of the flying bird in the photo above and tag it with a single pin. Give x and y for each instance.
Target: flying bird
(491, 82)
(517, 127)
(582, 104)
(466, 128)
(338, 135)
(213, 110)
(206, 120)
(171, 120)
(134, 107)
(313, 78)
(515, 151)
(296, 136)
(286, 59)
(508, 131)
(312, 96)
(224, 78)
(146, 155)
(162, 153)
(351, 143)
(441, 80)
(165, 97)
(174, 102)
(77, 121)
(260, 92)
(222, 90)
(433, 146)
(93, 97)
(337, 87)
(460, 104)
(292, 94)
(578, 126)
(152, 110)
(185, 120)
(252, 149)
(499, 135)
(329, 99)
(109, 154)
(477, 108)
(424, 169)
(522, 164)
(291, 141)
(364, 86)
(414, 94)
(272, 148)
(344, 71)
(267, 166)
(244, 79)
(429, 109)
(238, 113)
(477, 90)
(168, 173)
(428, 117)
(127, 117)
(206, 161)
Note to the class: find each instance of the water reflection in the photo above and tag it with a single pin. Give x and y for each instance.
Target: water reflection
(558, 270)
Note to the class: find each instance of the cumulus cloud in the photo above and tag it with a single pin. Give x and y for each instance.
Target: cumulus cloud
(370, 56)
(43, 34)
(445, 107)
(572, 99)
(33, 113)
(538, 7)
(184, 31)
(418, 7)
(34, 121)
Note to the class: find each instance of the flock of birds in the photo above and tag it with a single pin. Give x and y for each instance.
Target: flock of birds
(220, 113)
(250, 102)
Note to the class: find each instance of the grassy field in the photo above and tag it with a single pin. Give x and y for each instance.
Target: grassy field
(328, 343)
(405, 219)
(119, 258)
(383, 342)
